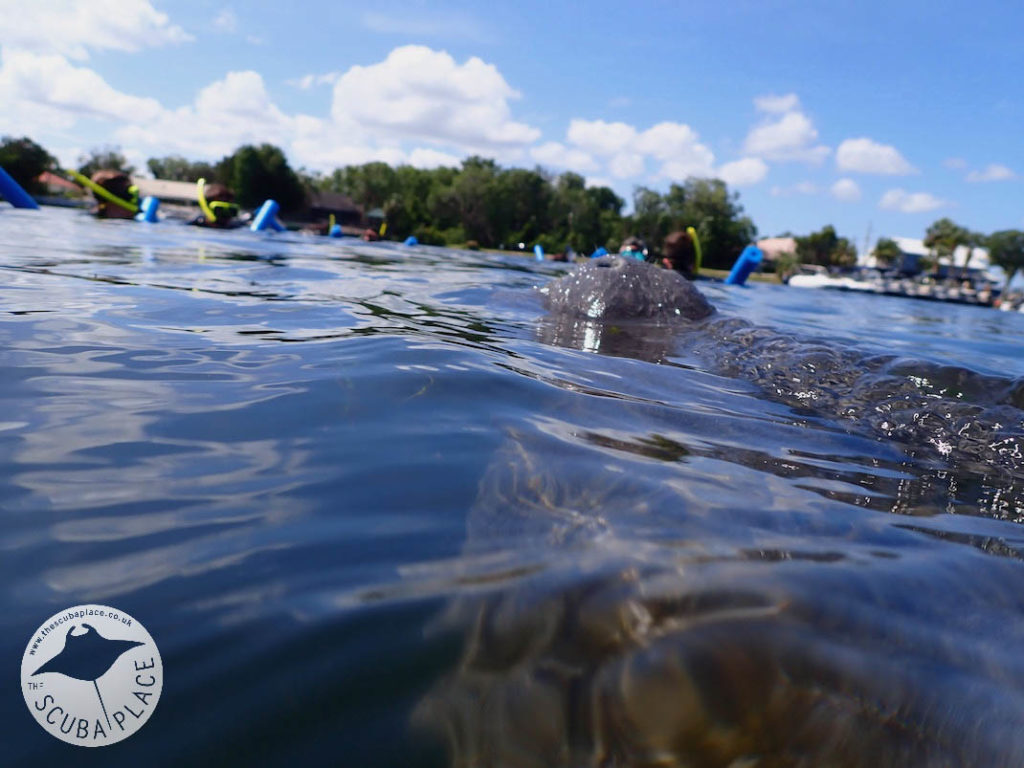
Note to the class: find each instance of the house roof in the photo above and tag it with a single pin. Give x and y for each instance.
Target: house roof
(53, 181)
(333, 201)
(167, 191)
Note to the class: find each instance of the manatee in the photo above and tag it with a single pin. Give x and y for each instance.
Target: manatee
(614, 288)
(590, 641)
(625, 307)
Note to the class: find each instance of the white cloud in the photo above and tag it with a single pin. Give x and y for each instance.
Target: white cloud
(35, 88)
(910, 202)
(745, 172)
(558, 155)
(846, 190)
(226, 21)
(600, 138)
(866, 156)
(777, 104)
(678, 148)
(992, 172)
(625, 165)
(226, 113)
(431, 158)
(49, 98)
(306, 82)
(956, 163)
(788, 138)
(675, 146)
(421, 94)
(73, 28)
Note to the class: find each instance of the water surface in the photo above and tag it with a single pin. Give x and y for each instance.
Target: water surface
(377, 508)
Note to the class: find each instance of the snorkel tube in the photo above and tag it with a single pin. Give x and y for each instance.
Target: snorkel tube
(696, 249)
(204, 206)
(99, 191)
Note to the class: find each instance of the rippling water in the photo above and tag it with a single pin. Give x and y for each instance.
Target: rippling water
(376, 507)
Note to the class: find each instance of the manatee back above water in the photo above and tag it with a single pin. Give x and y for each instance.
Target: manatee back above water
(615, 288)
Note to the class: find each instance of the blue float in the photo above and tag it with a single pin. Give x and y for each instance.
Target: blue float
(11, 191)
(602, 251)
(538, 252)
(266, 218)
(336, 231)
(147, 210)
(748, 261)
(411, 240)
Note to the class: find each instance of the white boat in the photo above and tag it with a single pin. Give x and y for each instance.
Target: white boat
(836, 283)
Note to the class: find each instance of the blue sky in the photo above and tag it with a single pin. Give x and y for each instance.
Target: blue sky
(857, 114)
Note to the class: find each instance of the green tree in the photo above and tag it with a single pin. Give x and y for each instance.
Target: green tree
(370, 185)
(104, 158)
(1006, 249)
(25, 160)
(716, 213)
(826, 248)
(177, 168)
(650, 215)
(256, 174)
(943, 237)
(887, 252)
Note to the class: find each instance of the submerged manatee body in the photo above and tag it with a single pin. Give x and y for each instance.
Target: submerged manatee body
(743, 636)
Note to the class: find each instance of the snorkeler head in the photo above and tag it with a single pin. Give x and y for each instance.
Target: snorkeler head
(118, 184)
(679, 253)
(634, 248)
(221, 202)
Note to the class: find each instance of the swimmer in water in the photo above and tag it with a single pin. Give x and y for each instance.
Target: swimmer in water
(121, 200)
(218, 205)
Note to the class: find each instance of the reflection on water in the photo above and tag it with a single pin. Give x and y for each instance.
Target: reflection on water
(354, 488)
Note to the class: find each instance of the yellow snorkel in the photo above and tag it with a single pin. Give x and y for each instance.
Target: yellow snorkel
(203, 205)
(99, 191)
(696, 249)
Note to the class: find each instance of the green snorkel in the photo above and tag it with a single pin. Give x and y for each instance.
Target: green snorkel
(107, 195)
(696, 249)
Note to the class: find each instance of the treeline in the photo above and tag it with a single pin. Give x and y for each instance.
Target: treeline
(479, 202)
(501, 207)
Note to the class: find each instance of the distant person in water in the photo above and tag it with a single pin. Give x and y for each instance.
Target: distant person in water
(370, 235)
(118, 184)
(634, 248)
(679, 254)
(219, 207)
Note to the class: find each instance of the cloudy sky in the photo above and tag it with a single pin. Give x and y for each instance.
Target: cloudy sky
(872, 116)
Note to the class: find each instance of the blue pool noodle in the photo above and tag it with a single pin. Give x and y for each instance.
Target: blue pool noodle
(11, 191)
(148, 209)
(748, 261)
(266, 217)
(538, 252)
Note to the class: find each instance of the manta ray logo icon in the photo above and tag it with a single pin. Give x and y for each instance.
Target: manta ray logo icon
(91, 675)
